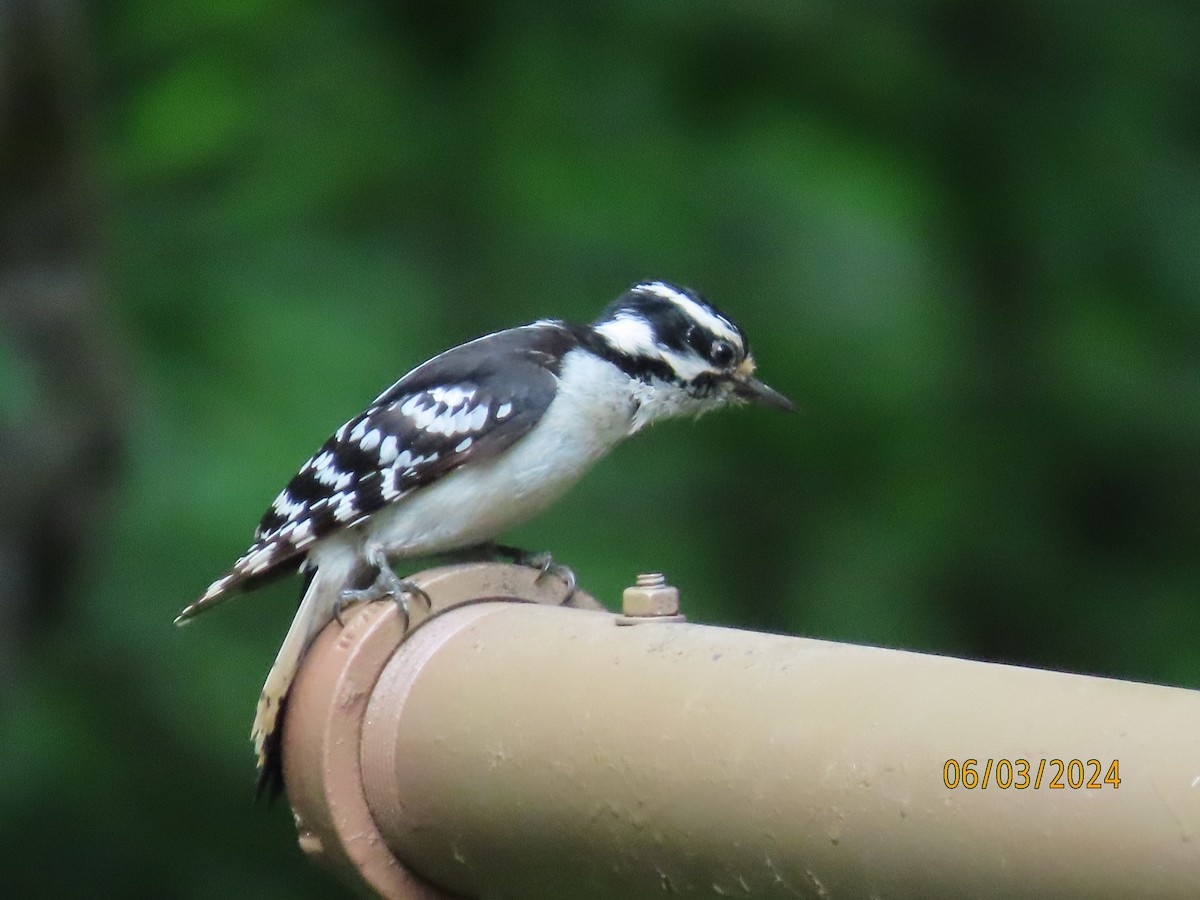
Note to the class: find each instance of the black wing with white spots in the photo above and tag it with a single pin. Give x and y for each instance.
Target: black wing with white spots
(468, 403)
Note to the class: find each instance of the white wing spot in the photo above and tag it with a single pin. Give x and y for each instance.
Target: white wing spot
(345, 509)
(216, 587)
(286, 506)
(332, 477)
(503, 410)
(387, 485)
(464, 444)
(452, 396)
(478, 416)
(388, 450)
(412, 405)
(446, 423)
(258, 560)
(426, 420)
(370, 440)
(359, 431)
(459, 422)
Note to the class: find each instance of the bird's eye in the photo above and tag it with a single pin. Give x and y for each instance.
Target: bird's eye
(721, 353)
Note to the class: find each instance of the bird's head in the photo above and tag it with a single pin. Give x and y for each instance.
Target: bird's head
(689, 357)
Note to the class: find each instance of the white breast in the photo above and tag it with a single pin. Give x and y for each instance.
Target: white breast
(590, 414)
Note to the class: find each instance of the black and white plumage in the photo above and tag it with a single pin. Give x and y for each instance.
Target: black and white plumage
(479, 438)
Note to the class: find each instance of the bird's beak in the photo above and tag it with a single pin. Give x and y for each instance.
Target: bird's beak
(747, 387)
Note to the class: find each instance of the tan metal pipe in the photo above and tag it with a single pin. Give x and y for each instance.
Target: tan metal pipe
(529, 751)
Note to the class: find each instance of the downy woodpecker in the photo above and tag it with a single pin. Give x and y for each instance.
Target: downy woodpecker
(480, 438)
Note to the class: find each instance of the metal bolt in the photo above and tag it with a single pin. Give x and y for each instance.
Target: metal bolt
(650, 597)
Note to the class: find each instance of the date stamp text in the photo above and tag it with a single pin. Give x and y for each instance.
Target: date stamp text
(1025, 774)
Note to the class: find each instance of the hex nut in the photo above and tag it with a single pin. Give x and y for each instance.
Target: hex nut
(645, 602)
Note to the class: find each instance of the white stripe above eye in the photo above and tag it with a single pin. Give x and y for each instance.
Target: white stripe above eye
(698, 312)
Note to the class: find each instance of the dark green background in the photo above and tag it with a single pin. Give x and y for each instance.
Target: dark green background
(964, 237)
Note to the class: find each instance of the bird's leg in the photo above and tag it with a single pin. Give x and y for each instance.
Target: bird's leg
(386, 584)
(545, 565)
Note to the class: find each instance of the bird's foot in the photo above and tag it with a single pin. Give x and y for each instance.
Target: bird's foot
(545, 565)
(386, 584)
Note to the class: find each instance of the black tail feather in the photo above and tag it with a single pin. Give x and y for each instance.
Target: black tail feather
(270, 773)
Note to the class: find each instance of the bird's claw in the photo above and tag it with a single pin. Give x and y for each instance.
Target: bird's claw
(386, 584)
(545, 565)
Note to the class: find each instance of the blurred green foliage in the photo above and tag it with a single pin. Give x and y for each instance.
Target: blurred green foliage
(965, 237)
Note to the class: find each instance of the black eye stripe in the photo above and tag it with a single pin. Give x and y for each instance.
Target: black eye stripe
(687, 328)
(722, 353)
(718, 351)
